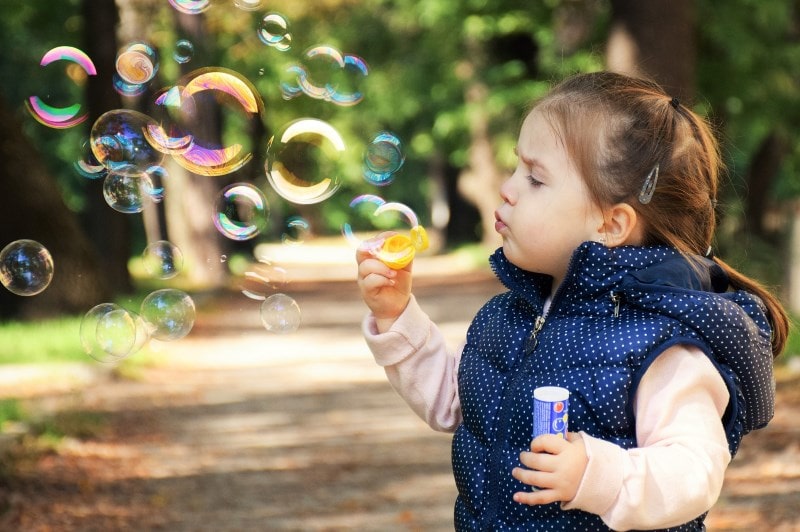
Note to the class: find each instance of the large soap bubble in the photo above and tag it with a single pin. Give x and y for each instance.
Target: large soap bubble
(169, 314)
(137, 63)
(382, 158)
(61, 117)
(108, 333)
(26, 267)
(303, 161)
(118, 142)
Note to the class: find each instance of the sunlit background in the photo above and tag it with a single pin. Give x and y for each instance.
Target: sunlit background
(177, 176)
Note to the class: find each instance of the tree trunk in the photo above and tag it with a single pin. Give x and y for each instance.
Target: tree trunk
(109, 230)
(655, 39)
(761, 174)
(33, 209)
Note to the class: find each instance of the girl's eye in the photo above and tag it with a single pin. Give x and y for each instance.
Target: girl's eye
(533, 181)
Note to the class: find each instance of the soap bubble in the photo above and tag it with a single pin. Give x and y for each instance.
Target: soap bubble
(295, 230)
(126, 193)
(273, 30)
(226, 86)
(108, 332)
(162, 259)
(61, 117)
(26, 267)
(383, 157)
(280, 314)
(184, 51)
(303, 161)
(328, 74)
(247, 5)
(169, 314)
(118, 142)
(88, 166)
(343, 88)
(241, 211)
(127, 89)
(137, 63)
(263, 278)
(190, 7)
(374, 212)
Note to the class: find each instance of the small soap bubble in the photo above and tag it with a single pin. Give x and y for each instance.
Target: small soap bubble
(344, 87)
(241, 211)
(383, 157)
(169, 314)
(303, 161)
(295, 230)
(184, 51)
(127, 193)
(280, 314)
(190, 7)
(247, 5)
(26, 267)
(88, 166)
(162, 259)
(154, 182)
(137, 63)
(119, 143)
(273, 30)
(362, 209)
(263, 278)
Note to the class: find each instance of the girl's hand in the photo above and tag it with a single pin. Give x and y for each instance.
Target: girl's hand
(385, 291)
(555, 467)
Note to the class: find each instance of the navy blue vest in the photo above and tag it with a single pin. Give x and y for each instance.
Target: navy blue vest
(616, 311)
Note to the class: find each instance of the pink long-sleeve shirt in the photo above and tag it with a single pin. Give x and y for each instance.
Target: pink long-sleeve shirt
(675, 473)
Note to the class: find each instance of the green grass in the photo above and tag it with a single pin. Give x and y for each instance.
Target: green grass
(46, 341)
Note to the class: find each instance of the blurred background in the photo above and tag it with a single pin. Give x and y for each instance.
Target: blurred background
(277, 126)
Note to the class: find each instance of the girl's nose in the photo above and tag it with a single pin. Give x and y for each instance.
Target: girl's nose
(506, 191)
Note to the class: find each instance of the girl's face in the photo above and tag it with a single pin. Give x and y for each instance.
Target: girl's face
(547, 211)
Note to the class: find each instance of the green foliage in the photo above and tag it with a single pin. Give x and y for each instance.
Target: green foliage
(39, 342)
(10, 411)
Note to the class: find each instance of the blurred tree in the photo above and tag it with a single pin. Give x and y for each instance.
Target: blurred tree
(34, 209)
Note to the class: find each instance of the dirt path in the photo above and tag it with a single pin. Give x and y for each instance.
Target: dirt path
(243, 430)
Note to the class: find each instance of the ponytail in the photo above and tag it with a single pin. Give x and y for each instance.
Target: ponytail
(776, 315)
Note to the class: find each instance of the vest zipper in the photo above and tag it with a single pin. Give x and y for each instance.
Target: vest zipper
(616, 299)
(533, 341)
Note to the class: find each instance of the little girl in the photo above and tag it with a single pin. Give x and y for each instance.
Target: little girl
(613, 293)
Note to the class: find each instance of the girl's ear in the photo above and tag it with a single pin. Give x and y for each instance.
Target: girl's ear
(621, 226)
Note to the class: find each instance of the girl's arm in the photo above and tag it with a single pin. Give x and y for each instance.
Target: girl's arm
(414, 355)
(677, 471)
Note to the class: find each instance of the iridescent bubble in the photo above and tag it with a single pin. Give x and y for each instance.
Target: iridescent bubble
(383, 157)
(386, 216)
(190, 7)
(295, 230)
(26, 267)
(241, 211)
(153, 184)
(119, 143)
(228, 86)
(343, 89)
(247, 5)
(89, 329)
(303, 161)
(184, 51)
(162, 259)
(363, 208)
(169, 314)
(280, 314)
(263, 278)
(126, 193)
(137, 63)
(292, 81)
(273, 30)
(61, 117)
(88, 166)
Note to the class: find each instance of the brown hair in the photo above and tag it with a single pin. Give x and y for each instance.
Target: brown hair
(616, 129)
